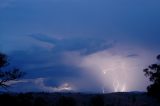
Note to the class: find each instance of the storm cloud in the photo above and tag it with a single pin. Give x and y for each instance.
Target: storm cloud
(77, 41)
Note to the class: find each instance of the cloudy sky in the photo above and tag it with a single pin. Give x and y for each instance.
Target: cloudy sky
(80, 45)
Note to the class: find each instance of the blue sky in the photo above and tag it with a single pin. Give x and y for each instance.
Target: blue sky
(80, 45)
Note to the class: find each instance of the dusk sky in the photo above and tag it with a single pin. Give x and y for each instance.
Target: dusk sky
(80, 45)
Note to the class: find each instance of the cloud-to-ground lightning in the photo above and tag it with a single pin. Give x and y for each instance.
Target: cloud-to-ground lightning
(118, 87)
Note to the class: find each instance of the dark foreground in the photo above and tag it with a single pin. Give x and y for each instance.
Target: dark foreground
(77, 99)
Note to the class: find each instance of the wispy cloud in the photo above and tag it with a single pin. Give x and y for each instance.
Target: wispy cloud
(39, 83)
(17, 82)
(62, 88)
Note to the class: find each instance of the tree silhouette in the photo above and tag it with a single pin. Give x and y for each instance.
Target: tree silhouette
(9, 75)
(153, 72)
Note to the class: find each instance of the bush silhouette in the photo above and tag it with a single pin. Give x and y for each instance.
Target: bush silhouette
(153, 72)
(16, 100)
(8, 100)
(66, 101)
(25, 99)
(97, 101)
(40, 102)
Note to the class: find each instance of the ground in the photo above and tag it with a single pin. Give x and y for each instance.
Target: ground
(77, 99)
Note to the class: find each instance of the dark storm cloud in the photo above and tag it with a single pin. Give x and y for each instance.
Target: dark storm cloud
(43, 62)
(86, 45)
(50, 62)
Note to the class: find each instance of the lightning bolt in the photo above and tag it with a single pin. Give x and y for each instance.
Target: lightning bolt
(117, 85)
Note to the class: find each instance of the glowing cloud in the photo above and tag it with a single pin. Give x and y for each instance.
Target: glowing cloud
(62, 88)
(116, 69)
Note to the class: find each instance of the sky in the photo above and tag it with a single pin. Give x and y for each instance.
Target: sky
(80, 45)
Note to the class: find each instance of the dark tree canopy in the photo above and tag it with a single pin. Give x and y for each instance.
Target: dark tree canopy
(7, 75)
(153, 72)
(3, 60)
